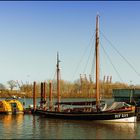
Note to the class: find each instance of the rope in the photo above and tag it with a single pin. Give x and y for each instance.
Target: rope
(121, 55)
(111, 63)
(93, 65)
(88, 60)
(82, 56)
(54, 76)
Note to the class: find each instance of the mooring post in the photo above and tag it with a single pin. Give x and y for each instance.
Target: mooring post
(34, 96)
(58, 82)
(44, 96)
(41, 98)
(50, 95)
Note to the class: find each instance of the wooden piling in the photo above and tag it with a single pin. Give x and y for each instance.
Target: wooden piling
(58, 82)
(44, 88)
(50, 95)
(34, 96)
(41, 98)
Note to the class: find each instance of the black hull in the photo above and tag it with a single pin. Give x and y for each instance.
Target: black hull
(86, 116)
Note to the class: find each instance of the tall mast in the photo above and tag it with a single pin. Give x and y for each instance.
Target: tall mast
(97, 63)
(58, 82)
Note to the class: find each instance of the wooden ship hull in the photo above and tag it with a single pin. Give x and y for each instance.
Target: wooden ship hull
(101, 116)
(116, 112)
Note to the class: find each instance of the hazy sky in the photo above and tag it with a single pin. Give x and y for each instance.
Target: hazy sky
(31, 33)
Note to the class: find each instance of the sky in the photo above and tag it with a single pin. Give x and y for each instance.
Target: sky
(32, 32)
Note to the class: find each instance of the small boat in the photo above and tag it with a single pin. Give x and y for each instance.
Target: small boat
(93, 110)
(29, 109)
(11, 106)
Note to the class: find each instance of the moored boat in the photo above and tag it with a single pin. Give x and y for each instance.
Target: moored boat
(96, 110)
(124, 113)
(11, 106)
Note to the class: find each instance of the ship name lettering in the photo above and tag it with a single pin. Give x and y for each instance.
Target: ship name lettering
(121, 115)
(124, 115)
(117, 115)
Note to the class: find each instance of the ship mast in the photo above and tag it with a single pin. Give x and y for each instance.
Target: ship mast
(97, 63)
(58, 82)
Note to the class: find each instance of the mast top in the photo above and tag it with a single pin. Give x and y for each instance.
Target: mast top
(58, 60)
(97, 26)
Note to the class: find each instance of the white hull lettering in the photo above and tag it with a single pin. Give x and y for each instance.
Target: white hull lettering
(121, 115)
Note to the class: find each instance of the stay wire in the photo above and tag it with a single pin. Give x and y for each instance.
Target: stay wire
(132, 67)
(111, 63)
(82, 56)
(88, 59)
(93, 65)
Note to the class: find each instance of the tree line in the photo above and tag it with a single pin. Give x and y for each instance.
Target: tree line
(80, 88)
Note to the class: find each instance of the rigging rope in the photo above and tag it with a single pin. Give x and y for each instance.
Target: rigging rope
(93, 64)
(88, 60)
(54, 75)
(121, 55)
(111, 63)
(78, 65)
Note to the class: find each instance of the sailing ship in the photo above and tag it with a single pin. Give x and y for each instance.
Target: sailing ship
(88, 110)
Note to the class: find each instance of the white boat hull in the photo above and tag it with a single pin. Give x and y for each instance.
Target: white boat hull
(132, 119)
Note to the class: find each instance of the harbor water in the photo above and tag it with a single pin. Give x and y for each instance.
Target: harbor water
(29, 126)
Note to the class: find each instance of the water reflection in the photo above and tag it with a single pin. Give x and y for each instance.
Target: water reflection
(10, 123)
(68, 129)
(39, 127)
(116, 130)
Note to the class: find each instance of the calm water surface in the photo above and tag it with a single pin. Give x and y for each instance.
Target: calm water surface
(39, 127)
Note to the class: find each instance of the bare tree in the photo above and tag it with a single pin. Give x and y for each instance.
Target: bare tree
(12, 84)
(2, 87)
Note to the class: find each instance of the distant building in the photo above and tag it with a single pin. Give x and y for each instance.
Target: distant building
(131, 96)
